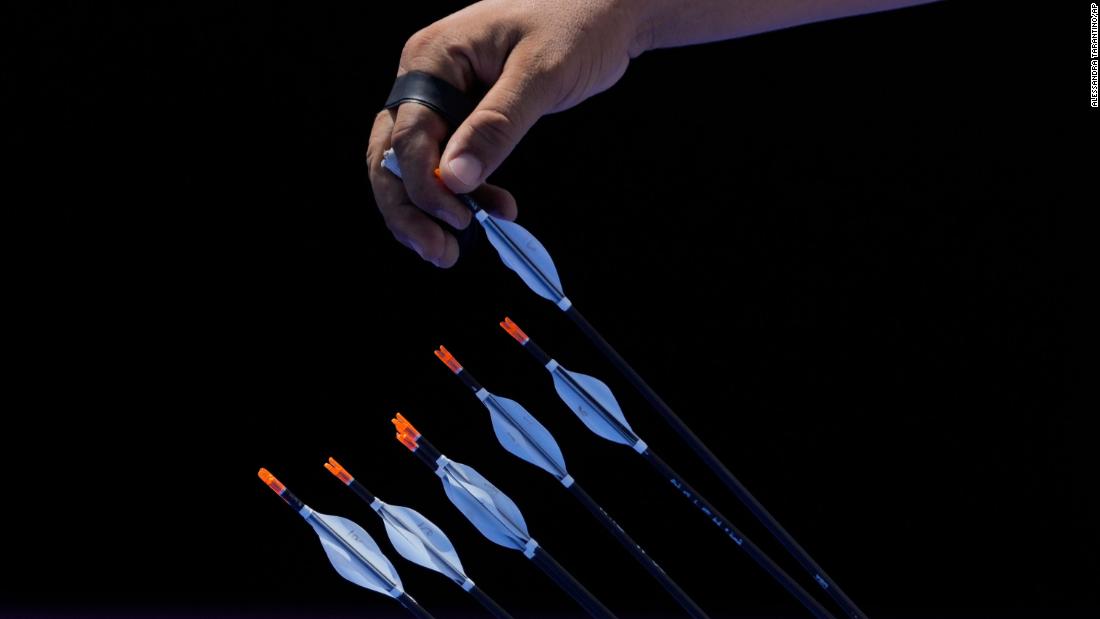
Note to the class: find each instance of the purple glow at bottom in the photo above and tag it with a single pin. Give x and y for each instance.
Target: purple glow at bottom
(211, 613)
(255, 612)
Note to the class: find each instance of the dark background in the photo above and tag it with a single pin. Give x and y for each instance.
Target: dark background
(847, 275)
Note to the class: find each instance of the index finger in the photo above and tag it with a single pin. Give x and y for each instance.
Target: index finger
(417, 134)
(409, 225)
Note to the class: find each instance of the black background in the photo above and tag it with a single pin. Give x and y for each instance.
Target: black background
(840, 262)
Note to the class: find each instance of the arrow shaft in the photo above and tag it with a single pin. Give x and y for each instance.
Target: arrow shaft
(427, 453)
(575, 489)
(565, 580)
(715, 465)
(468, 380)
(755, 553)
(638, 553)
(361, 491)
(489, 604)
(469, 202)
(635, 550)
(410, 605)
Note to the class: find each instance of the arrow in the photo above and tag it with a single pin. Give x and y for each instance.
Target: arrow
(417, 539)
(522, 435)
(594, 404)
(518, 248)
(493, 514)
(350, 549)
(524, 254)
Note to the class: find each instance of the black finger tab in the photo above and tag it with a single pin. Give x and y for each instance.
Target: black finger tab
(428, 90)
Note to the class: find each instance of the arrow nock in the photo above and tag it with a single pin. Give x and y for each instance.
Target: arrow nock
(406, 433)
(446, 357)
(334, 467)
(514, 330)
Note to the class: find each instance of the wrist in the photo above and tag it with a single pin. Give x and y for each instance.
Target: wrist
(646, 17)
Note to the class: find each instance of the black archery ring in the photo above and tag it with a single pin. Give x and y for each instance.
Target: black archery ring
(430, 91)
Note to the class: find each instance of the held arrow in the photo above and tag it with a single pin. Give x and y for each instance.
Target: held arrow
(349, 548)
(493, 514)
(417, 539)
(522, 435)
(518, 248)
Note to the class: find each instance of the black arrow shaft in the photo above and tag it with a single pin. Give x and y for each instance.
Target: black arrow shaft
(707, 456)
(638, 553)
(565, 580)
(489, 604)
(414, 608)
(755, 553)
(598, 512)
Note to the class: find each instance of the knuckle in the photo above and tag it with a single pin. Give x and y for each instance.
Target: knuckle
(419, 42)
(441, 52)
(403, 136)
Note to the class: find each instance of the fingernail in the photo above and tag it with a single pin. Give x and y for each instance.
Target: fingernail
(466, 168)
(416, 247)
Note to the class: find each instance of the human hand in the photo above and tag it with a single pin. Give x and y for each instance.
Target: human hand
(537, 58)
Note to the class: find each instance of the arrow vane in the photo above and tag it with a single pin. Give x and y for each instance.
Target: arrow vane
(594, 404)
(350, 549)
(522, 435)
(493, 514)
(417, 539)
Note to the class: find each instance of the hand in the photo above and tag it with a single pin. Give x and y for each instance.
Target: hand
(537, 58)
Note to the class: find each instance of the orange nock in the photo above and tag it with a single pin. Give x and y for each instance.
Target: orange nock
(446, 357)
(271, 482)
(514, 330)
(334, 467)
(406, 433)
(438, 174)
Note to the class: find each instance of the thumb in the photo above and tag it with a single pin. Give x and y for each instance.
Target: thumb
(513, 104)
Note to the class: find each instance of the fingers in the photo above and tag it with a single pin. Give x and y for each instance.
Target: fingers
(408, 223)
(497, 200)
(501, 119)
(417, 133)
(412, 228)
